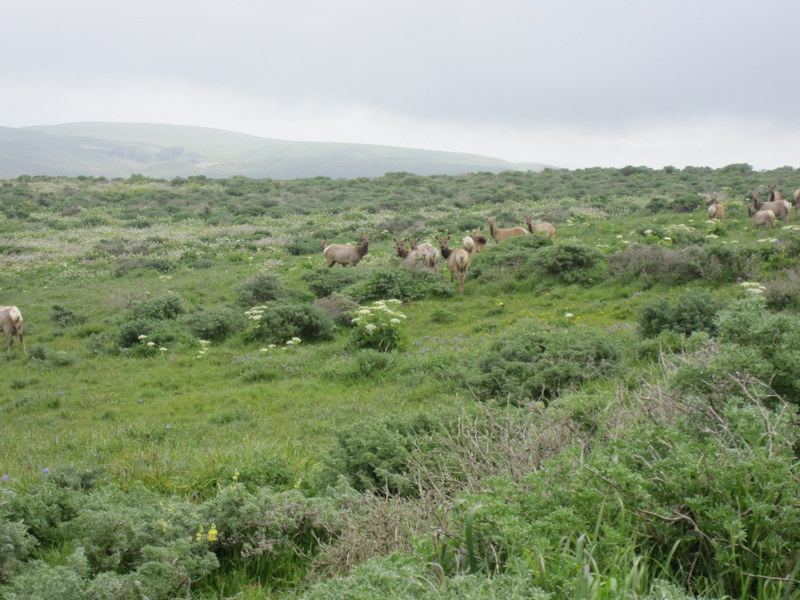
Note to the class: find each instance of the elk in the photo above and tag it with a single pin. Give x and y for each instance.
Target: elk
(427, 253)
(545, 228)
(796, 200)
(480, 240)
(762, 218)
(458, 260)
(344, 254)
(779, 207)
(715, 209)
(775, 195)
(11, 323)
(500, 234)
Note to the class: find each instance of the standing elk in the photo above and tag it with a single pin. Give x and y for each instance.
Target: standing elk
(715, 209)
(763, 218)
(344, 254)
(11, 323)
(779, 208)
(458, 260)
(480, 240)
(500, 234)
(429, 255)
(545, 228)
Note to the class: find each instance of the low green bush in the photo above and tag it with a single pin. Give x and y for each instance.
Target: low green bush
(215, 323)
(338, 307)
(280, 322)
(569, 262)
(695, 310)
(510, 259)
(399, 284)
(536, 363)
(260, 288)
(325, 282)
(752, 341)
(168, 306)
(375, 455)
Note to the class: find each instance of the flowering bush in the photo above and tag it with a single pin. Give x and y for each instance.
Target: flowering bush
(378, 327)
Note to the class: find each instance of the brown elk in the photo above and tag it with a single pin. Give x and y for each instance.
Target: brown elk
(344, 254)
(11, 324)
(458, 260)
(500, 234)
(715, 209)
(545, 228)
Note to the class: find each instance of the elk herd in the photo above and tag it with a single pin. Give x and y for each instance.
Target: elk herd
(426, 256)
(762, 214)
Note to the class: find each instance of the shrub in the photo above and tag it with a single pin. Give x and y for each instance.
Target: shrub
(655, 264)
(536, 363)
(375, 456)
(726, 263)
(692, 311)
(399, 284)
(215, 323)
(325, 282)
(157, 333)
(285, 528)
(568, 262)
(278, 323)
(260, 288)
(784, 292)
(510, 259)
(65, 317)
(168, 306)
(16, 545)
(338, 307)
(378, 327)
(302, 246)
(771, 341)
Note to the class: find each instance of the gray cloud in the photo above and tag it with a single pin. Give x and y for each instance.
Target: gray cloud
(622, 80)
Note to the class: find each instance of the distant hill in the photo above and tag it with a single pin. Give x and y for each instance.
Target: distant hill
(167, 151)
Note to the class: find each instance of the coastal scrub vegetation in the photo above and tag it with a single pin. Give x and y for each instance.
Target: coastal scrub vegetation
(207, 411)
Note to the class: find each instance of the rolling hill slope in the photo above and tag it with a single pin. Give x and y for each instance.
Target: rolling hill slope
(166, 151)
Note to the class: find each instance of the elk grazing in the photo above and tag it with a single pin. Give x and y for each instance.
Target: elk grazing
(424, 256)
(11, 323)
(480, 240)
(763, 218)
(796, 200)
(545, 228)
(458, 260)
(500, 234)
(429, 255)
(344, 254)
(715, 209)
(779, 208)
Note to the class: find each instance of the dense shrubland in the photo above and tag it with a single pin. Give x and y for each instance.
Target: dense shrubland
(206, 411)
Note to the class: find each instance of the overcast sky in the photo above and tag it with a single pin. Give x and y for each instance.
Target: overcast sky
(572, 83)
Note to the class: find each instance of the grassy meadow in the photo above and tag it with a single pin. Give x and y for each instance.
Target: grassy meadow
(602, 415)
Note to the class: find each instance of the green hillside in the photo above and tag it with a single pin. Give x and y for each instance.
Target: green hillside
(166, 151)
(206, 411)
